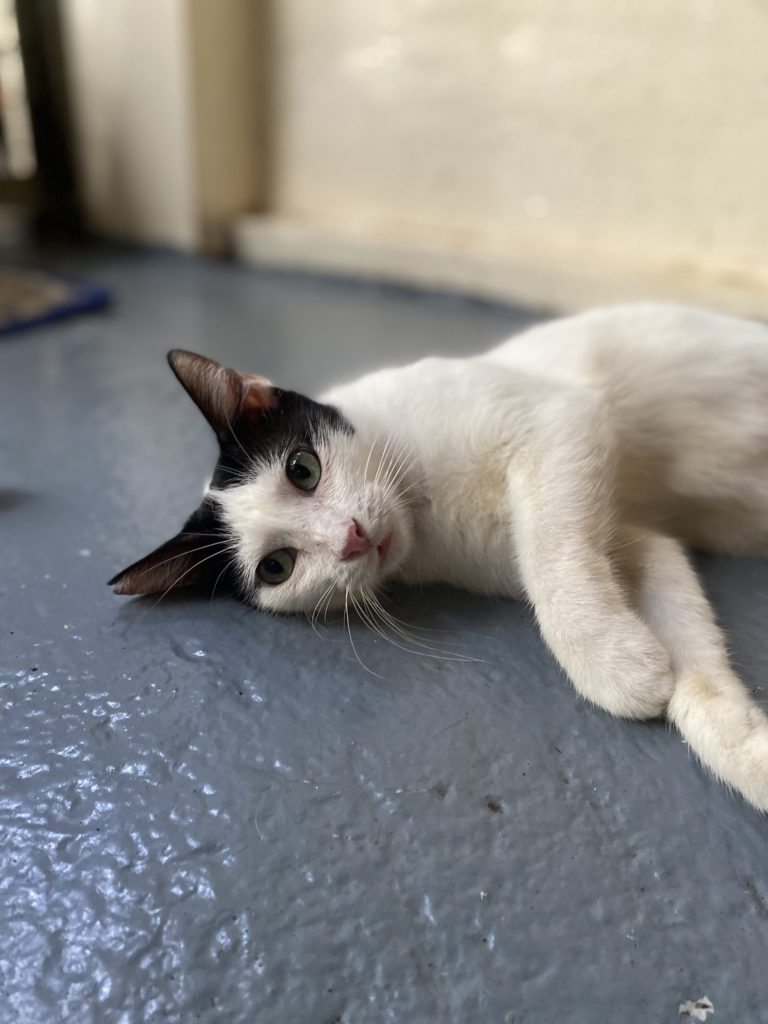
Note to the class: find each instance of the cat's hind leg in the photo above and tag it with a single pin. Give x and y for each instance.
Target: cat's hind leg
(709, 705)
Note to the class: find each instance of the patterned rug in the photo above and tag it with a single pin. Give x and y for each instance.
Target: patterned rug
(31, 297)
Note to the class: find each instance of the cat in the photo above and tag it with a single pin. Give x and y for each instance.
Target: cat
(567, 467)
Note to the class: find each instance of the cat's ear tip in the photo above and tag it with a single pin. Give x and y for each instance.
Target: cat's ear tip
(195, 372)
(117, 583)
(180, 355)
(127, 587)
(124, 583)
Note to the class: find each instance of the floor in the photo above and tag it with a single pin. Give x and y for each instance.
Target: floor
(211, 815)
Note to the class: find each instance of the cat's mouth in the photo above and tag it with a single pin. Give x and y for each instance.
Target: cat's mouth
(384, 548)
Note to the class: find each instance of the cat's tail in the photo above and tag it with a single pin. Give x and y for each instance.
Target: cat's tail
(709, 704)
(726, 730)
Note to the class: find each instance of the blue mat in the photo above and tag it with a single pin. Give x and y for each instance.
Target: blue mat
(30, 297)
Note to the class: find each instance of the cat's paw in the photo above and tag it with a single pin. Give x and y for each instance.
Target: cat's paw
(632, 680)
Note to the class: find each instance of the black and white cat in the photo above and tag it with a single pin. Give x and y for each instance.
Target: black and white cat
(565, 466)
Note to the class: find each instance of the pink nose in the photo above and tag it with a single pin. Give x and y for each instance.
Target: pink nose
(356, 542)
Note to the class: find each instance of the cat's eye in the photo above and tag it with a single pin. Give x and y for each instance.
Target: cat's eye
(277, 567)
(303, 469)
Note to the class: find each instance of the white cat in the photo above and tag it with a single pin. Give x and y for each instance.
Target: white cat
(565, 466)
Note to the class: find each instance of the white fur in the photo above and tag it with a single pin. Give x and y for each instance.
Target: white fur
(268, 513)
(566, 466)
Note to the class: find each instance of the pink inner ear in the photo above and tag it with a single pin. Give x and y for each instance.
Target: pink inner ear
(221, 394)
(257, 394)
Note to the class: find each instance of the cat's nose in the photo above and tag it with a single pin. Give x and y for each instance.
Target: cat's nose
(356, 541)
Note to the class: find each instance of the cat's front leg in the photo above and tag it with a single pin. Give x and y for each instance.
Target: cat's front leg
(561, 504)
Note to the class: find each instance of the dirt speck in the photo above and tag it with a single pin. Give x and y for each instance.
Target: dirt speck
(757, 897)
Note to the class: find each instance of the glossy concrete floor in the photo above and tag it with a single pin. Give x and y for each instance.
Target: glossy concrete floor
(210, 815)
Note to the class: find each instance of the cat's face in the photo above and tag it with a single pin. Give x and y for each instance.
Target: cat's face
(301, 513)
(317, 519)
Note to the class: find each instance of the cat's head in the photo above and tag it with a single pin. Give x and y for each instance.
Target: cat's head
(301, 510)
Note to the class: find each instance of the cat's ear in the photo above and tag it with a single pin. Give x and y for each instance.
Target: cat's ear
(225, 397)
(180, 562)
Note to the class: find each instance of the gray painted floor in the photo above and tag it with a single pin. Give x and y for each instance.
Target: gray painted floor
(210, 815)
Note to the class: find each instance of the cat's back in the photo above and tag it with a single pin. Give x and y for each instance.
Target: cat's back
(435, 393)
(650, 342)
(658, 365)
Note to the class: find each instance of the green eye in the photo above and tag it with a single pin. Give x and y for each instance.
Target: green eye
(303, 469)
(277, 567)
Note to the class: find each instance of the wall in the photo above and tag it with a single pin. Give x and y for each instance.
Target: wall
(228, 53)
(552, 153)
(129, 81)
(167, 103)
(624, 144)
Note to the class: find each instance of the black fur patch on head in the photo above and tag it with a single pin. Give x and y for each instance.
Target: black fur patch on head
(292, 421)
(207, 524)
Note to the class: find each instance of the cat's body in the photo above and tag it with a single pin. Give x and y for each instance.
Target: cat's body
(559, 467)
(681, 396)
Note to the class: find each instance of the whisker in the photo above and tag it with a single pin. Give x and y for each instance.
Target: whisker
(349, 631)
(325, 594)
(408, 626)
(428, 650)
(398, 504)
(399, 466)
(237, 439)
(188, 571)
(365, 614)
(370, 453)
(410, 487)
(398, 626)
(392, 450)
(382, 457)
(312, 618)
(396, 463)
(193, 551)
(395, 488)
(327, 606)
(226, 566)
(372, 610)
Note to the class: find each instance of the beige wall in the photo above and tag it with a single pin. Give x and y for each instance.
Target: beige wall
(128, 66)
(538, 150)
(167, 105)
(228, 55)
(621, 143)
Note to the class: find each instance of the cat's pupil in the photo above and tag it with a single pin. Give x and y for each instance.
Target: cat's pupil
(273, 566)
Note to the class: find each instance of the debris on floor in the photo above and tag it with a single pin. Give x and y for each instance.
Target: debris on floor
(699, 1009)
